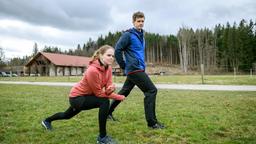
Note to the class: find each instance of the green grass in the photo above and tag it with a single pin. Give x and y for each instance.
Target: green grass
(190, 117)
(174, 79)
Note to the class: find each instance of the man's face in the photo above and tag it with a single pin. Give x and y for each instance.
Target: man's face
(139, 23)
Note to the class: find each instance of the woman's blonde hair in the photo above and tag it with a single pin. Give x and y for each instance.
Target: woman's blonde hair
(101, 51)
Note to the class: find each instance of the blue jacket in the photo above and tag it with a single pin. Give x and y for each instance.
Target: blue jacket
(132, 45)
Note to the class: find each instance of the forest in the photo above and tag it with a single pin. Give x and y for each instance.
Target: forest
(223, 48)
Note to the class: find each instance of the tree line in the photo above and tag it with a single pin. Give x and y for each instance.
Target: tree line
(221, 49)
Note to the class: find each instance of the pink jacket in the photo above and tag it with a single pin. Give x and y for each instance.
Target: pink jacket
(95, 81)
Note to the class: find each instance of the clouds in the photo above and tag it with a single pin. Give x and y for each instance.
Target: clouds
(82, 15)
(66, 23)
(45, 34)
(50, 22)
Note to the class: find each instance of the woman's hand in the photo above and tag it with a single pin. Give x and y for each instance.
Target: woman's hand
(110, 89)
(116, 96)
(120, 97)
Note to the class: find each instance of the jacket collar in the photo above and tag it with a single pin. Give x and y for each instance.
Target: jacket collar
(135, 31)
(96, 63)
(139, 34)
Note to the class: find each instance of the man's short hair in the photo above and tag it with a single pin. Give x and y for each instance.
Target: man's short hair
(137, 15)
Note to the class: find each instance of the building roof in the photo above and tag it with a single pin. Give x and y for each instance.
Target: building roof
(62, 59)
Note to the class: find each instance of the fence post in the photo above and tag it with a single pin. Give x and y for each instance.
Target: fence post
(202, 73)
(114, 78)
(234, 72)
(251, 73)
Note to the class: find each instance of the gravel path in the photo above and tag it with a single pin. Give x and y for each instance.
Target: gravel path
(160, 86)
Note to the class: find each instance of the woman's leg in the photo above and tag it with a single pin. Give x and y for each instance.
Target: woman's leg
(103, 113)
(69, 113)
(90, 102)
(85, 103)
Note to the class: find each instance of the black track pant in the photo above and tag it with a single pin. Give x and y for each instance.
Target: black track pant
(142, 81)
(85, 103)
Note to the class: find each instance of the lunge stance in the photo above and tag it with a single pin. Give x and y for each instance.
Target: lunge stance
(93, 91)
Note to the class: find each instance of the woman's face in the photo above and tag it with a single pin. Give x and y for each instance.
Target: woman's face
(108, 57)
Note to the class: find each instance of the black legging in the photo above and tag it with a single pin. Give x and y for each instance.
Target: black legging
(85, 103)
(141, 80)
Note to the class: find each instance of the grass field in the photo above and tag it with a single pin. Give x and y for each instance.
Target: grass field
(174, 79)
(190, 116)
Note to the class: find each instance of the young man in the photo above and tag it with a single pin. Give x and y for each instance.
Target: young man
(132, 45)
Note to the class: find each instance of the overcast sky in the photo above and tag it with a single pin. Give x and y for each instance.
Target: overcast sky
(66, 23)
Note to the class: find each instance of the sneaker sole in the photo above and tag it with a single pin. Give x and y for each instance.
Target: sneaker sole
(159, 128)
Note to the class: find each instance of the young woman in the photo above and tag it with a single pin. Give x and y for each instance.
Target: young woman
(93, 91)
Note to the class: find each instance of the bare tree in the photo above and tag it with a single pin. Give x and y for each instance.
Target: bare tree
(184, 35)
(2, 57)
(35, 49)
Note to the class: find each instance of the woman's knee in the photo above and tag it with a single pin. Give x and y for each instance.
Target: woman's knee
(104, 101)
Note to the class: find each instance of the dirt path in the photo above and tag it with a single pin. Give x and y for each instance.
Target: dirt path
(160, 86)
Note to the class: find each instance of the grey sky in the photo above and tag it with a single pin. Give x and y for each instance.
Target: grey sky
(66, 23)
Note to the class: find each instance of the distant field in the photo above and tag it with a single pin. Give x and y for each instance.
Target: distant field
(190, 116)
(175, 79)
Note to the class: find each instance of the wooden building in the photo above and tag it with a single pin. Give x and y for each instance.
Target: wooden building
(51, 64)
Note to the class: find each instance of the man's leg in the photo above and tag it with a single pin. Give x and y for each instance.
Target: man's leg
(126, 89)
(142, 80)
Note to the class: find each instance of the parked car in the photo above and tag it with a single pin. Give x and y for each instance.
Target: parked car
(4, 74)
(14, 75)
(8, 74)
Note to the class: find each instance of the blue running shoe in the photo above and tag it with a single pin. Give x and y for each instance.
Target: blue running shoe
(112, 118)
(106, 140)
(47, 125)
(157, 125)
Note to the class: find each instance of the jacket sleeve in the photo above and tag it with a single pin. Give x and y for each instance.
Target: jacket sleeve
(94, 81)
(116, 96)
(121, 45)
(109, 80)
